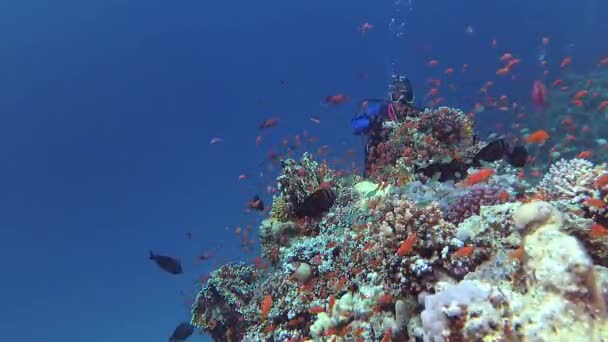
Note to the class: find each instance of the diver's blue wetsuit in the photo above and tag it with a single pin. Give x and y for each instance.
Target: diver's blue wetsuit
(369, 123)
(376, 112)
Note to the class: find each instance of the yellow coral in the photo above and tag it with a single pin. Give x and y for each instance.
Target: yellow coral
(468, 128)
(280, 210)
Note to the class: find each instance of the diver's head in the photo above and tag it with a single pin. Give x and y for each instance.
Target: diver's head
(400, 90)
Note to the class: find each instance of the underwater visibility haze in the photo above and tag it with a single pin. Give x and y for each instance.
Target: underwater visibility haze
(315, 170)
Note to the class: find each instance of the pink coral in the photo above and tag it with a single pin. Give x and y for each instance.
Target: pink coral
(469, 204)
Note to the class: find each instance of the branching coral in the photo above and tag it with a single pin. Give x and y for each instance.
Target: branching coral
(570, 179)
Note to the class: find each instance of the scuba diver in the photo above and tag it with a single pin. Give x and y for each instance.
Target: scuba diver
(375, 112)
(370, 123)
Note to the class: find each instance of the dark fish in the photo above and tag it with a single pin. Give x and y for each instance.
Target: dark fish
(498, 149)
(316, 204)
(446, 171)
(168, 264)
(493, 151)
(256, 203)
(518, 157)
(181, 332)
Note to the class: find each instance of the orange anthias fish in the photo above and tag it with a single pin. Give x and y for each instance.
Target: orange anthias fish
(407, 245)
(316, 309)
(567, 61)
(478, 177)
(387, 335)
(336, 99)
(581, 94)
(594, 203)
(598, 231)
(545, 41)
(465, 251)
(517, 254)
(268, 123)
(265, 308)
(506, 57)
(585, 154)
(537, 137)
(603, 105)
(503, 71)
(601, 181)
(330, 305)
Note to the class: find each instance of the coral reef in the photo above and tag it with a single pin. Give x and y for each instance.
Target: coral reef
(564, 296)
(435, 135)
(401, 256)
(218, 308)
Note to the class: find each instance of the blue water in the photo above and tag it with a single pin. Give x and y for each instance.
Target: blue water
(107, 109)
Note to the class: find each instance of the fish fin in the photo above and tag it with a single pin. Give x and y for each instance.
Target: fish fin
(152, 256)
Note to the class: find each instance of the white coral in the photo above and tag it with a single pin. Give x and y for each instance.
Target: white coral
(448, 303)
(570, 179)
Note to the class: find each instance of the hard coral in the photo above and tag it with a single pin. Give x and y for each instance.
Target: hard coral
(570, 180)
(469, 204)
(433, 136)
(399, 218)
(429, 239)
(300, 179)
(281, 210)
(218, 308)
(563, 297)
(448, 125)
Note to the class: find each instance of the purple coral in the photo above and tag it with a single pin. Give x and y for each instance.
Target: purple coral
(469, 204)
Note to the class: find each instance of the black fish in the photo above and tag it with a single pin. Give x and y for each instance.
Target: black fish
(498, 149)
(518, 157)
(256, 203)
(181, 332)
(493, 151)
(446, 171)
(168, 264)
(316, 204)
